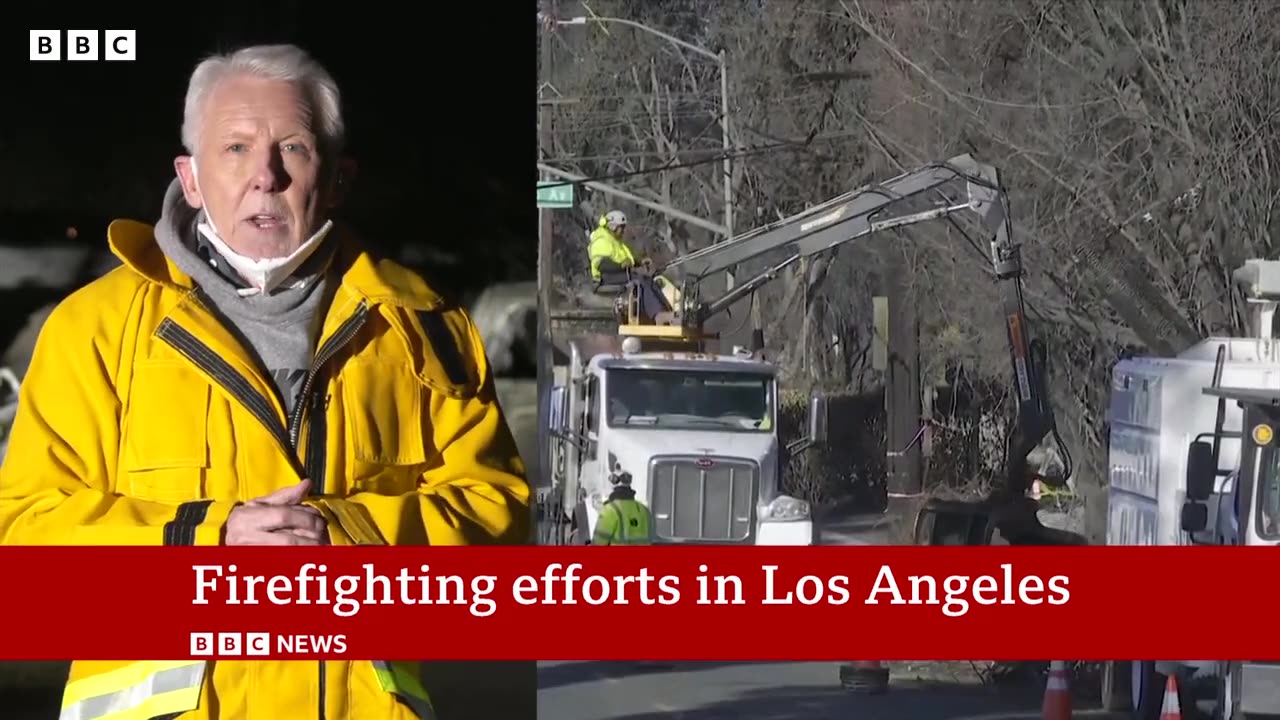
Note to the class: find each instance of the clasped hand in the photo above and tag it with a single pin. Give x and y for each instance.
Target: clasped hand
(279, 518)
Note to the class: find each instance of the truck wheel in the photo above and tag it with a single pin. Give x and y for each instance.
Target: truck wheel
(1146, 690)
(1227, 706)
(1146, 693)
(1115, 686)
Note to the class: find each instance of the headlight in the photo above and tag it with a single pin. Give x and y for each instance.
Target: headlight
(785, 508)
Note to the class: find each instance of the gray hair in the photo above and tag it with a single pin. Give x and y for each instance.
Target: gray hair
(275, 62)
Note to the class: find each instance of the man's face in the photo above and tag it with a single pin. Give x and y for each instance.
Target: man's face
(259, 167)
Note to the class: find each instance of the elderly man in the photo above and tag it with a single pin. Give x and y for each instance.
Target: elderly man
(251, 376)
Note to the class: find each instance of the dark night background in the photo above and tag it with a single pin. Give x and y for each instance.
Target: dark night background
(440, 138)
(444, 138)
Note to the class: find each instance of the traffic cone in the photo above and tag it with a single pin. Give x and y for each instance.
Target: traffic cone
(864, 677)
(1057, 694)
(1171, 709)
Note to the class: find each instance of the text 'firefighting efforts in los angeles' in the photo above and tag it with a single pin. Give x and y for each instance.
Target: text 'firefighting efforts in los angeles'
(566, 585)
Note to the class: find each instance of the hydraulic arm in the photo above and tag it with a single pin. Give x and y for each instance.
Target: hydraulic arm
(942, 189)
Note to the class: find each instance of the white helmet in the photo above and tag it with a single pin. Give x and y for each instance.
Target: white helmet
(614, 219)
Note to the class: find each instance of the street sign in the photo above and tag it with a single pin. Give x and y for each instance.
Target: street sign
(555, 194)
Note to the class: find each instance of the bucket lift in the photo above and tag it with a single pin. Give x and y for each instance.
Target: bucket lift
(955, 186)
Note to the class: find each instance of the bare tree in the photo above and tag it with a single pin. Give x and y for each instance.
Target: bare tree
(1135, 137)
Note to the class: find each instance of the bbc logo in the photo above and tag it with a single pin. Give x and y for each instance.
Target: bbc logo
(117, 45)
(230, 644)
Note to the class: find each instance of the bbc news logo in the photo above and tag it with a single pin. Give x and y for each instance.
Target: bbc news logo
(84, 45)
(236, 644)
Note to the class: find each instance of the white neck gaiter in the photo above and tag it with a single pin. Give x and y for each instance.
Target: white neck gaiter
(266, 274)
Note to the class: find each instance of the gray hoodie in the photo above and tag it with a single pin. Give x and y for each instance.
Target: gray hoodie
(279, 329)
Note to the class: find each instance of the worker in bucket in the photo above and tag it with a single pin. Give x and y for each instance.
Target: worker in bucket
(613, 263)
(624, 520)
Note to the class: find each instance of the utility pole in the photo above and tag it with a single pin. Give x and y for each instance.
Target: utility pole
(905, 481)
(727, 145)
(726, 170)
(546, 234)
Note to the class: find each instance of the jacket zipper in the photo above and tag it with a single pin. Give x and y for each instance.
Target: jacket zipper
(339, 340)
(287, 436)
(314, 461)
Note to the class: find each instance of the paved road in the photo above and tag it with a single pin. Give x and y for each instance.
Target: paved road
(766, 691)
(780, 691)
(870, 529)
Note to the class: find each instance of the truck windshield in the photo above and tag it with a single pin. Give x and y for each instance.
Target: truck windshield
(671, 399)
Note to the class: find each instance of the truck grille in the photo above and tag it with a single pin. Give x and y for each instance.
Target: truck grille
(703, 499)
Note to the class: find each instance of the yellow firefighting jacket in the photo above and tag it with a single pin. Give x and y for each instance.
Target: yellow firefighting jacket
(142, 421)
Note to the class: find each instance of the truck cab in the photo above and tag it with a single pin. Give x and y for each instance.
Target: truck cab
(1241, 509)
(1239, 505)
(696, 432)
(1193, 461)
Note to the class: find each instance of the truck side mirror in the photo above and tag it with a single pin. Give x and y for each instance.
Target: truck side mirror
(1201, 471)
(818, 420)
(559, 416)
(1195, 517)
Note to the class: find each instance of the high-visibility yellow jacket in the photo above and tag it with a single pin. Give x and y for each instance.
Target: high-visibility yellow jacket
(623, 521)
(142, 421)
(607, 246)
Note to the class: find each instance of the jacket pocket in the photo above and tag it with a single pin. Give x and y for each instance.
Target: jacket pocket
(384, 405)
(165, 440)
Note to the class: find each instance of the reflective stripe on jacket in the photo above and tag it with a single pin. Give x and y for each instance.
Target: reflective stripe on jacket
(606, 246)
(143, 421)
(136, 691)
(624, 521)
(402, 680)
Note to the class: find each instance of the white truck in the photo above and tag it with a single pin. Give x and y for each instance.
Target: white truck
(697, 430)
(1181, 430)
(697, 433)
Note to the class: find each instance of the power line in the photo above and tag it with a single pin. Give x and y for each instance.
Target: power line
(704, 95)
(715, 157)
(716, 153)
(718, 157)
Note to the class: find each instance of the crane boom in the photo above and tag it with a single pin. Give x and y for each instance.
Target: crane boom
(854, 215)
(973, 187)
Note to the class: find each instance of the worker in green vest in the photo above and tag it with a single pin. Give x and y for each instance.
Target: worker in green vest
(613, 263)
(624, 520)
(611, 257)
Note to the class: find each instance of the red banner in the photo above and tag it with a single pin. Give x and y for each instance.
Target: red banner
(702, 603)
